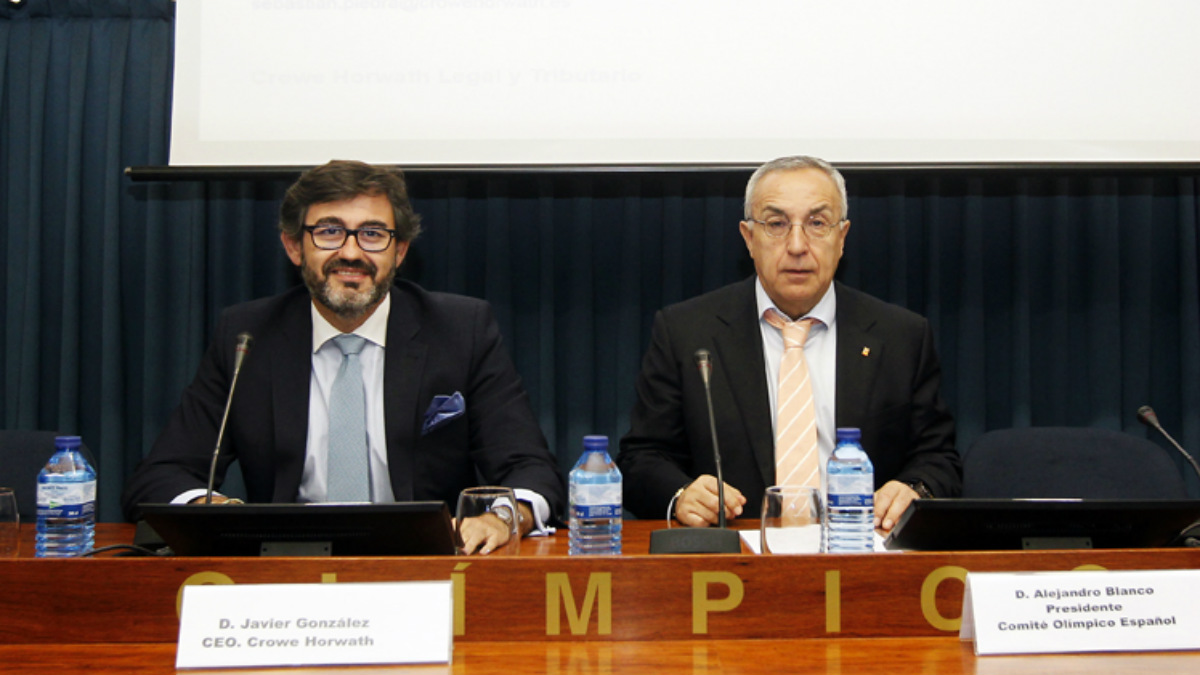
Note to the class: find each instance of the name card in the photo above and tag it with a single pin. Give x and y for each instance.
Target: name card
(1082, 611)
(315, 624)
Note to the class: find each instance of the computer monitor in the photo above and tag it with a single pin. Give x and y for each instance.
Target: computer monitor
(402, 528)
(1008, 524)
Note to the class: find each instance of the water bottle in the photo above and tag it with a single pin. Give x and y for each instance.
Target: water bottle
(66, 502)
(851, 496)
(595, 489)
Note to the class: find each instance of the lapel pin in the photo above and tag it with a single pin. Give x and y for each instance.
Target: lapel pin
(866, 351)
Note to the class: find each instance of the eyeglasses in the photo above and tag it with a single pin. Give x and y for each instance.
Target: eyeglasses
(333, 237)
(816, 227)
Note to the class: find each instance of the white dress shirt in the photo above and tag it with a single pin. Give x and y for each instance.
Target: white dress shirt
(326, 360)
(820, 352)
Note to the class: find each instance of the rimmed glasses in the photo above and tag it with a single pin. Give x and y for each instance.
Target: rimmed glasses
(332, 237)
(815, 227)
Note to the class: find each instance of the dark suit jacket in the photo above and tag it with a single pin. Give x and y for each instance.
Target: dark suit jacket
(891, 394)
(437, 344)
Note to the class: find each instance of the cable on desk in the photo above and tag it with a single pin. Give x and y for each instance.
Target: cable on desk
(130, 549)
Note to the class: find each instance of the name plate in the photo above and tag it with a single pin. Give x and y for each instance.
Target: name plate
(1082, 611)
(315, 624)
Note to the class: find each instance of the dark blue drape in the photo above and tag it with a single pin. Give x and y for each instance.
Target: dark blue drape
(1057, 297)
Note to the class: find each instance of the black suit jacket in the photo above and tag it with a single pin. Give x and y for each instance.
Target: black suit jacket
(436, 344)
(891, 393)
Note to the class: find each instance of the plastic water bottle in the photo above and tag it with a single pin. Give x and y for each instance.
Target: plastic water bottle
(595, 488)
(66, 502)
(851, 496)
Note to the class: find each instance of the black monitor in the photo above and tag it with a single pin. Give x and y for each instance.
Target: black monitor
(1015, 524)
(402, 528)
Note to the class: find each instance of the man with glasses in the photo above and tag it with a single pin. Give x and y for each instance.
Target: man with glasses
(869, 364)
(359, 388)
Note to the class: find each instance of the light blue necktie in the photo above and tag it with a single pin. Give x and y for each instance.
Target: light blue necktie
(349, 472)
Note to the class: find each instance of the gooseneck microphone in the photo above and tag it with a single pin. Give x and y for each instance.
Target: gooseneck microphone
(707, 539)
(1147, 416)
(704, 363)
(244, 340)
(1190, 537)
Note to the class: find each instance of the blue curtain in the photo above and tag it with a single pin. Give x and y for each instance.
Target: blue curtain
(84, 92)
(1057, 297)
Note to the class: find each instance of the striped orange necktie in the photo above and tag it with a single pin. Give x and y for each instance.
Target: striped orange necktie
(796, 455)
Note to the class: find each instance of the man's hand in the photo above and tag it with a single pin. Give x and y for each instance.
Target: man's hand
(486, 533)
(891, 501)
(697, 506)
(218, 499)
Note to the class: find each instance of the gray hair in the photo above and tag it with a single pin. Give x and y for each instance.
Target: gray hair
(792, 164)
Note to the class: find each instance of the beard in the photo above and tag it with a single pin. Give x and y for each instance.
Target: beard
(348, 302)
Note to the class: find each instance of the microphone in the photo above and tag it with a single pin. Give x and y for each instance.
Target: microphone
(704, 364)
(702, 540)
(1190, 537)
(244, 340)
(1147, 416)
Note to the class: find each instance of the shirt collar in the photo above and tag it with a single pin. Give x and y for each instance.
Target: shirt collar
(374, 329)
(824, 311)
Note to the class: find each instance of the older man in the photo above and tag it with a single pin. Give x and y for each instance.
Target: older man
(871, 365)
(359, 389)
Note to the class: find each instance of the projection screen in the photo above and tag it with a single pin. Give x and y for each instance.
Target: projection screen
(696, 82)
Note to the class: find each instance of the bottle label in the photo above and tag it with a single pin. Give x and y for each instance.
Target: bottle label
(851, 483)
(851, 500)
(66, 500)
(599, 511)
(596, 501)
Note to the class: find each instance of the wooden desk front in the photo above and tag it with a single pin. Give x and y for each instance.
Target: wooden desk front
(544, 595)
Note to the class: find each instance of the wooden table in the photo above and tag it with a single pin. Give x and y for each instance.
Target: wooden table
(875, 656)
(531, 613)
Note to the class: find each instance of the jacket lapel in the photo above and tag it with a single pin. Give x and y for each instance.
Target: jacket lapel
(403, 369)
(291, 374)
(858, 353)
(738, 345)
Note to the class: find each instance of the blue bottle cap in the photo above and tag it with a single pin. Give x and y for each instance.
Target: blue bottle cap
(595, 443)
(849, 434)
(67, 442)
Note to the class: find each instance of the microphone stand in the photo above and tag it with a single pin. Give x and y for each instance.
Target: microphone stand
(243, 346)
(1146, 415)
(702, 539)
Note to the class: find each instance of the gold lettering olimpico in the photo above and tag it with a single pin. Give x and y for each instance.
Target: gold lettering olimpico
(560, 597)
(458, 588)
(929, 597)
(833, 601)
(702, 604)
(200, 579)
